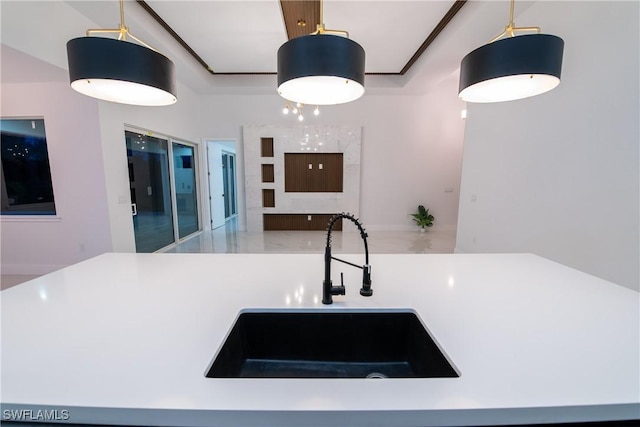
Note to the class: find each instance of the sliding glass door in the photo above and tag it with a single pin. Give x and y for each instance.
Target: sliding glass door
(162, 181)
(186, 197)
(149, 184)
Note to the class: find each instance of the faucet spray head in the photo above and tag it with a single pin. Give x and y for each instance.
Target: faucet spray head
(366, 290)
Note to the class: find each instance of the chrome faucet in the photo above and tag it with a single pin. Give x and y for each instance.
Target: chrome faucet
(328, 290)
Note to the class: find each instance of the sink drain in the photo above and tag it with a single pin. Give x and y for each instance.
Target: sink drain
(376, 375)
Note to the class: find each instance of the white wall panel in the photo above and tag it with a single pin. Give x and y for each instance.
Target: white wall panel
(557, 174)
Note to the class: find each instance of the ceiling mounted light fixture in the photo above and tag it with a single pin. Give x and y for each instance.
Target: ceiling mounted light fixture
(512, 68)
(323, 68)
(120, 71)
(296, 110)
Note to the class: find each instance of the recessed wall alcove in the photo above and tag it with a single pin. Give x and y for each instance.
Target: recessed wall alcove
(333, 150)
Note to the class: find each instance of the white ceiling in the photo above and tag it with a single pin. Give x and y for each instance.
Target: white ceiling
(244, 36)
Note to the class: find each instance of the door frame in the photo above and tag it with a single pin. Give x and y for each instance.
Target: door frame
(174, 198)
(231, 146)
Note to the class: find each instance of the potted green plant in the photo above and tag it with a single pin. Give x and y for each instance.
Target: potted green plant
(423, 218)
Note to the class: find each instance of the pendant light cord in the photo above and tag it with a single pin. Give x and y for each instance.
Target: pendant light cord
(122, 30)
(320, 29)
(511, 30)
(122, 26)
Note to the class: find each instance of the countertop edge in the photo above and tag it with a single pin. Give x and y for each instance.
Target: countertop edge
(317, 418)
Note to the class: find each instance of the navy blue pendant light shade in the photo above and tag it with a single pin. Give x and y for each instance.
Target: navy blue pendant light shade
(120, 71)
(511, 68)
(321, 69)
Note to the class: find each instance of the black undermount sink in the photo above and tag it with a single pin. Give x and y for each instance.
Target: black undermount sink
(330, 344)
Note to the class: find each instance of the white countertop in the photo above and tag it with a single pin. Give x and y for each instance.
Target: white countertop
(126, 339)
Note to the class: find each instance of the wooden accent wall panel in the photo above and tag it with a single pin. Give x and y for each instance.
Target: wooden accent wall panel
(295, 11)
(313, 172)
(295, 172)
(268, 198)
(266, 147)
(299, 222)
(267, 173)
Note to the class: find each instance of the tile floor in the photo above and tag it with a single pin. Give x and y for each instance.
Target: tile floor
(228, 240)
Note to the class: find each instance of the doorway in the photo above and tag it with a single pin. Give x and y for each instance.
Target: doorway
(222, 165)
(229, 184)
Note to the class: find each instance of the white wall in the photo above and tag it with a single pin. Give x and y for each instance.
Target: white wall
(80, 231)
(411, 148)
(557, 175)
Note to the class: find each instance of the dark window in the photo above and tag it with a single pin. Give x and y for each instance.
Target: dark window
(25, 171)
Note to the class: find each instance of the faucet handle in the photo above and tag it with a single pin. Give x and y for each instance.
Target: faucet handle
(339, 290)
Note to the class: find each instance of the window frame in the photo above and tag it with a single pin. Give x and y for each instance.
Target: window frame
(28, 213)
